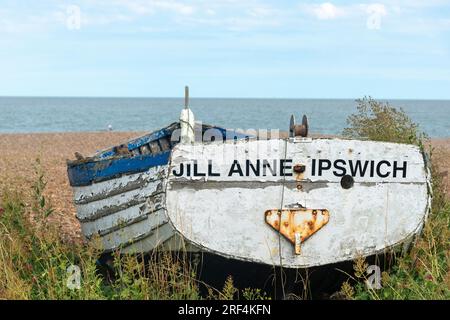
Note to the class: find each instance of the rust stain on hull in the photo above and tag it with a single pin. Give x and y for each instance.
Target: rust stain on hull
(299, 172)
(297, 225)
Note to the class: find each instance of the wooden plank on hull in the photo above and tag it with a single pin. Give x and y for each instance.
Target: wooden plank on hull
(135, 232)
(109, 188)
(151, 240)
(120, 219)
(100, 208)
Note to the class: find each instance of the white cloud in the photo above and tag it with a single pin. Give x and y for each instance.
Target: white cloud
(397, 15)
(174, 6)
(143, 7)
(417, 3)
(376, 8)
(233, 15)
(231, 23)
(261, 12)
(330, 11)
(326, 11)
(210, 12)
(12, 22)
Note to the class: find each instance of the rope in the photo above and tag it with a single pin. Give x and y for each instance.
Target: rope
(187, 124)
(279, 233)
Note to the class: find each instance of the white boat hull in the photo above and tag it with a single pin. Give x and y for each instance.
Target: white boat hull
(224, 214)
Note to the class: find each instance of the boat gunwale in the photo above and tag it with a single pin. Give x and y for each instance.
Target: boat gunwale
(86, 171)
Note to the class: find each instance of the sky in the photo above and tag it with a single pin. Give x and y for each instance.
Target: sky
(225, 48)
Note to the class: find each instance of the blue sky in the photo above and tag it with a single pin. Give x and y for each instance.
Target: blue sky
(226, 48)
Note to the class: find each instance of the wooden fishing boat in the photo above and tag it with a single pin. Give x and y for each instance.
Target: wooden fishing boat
(291, 202)
(119, 193)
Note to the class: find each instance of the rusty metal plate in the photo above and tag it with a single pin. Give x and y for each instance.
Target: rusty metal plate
(298, 224)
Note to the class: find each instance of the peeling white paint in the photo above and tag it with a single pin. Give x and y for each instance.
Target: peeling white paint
(119, 201)
(127, 212)
(104, 189)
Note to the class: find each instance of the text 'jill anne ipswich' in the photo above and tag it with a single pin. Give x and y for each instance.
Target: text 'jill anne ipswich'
(285, 167)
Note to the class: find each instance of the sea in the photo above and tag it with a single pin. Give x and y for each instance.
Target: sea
(325, 116)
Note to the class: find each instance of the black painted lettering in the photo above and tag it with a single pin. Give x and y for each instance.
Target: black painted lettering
(358, 167)
(210, 170)
(343, 170)
(381, 175)
(180, 173)
(324, 164)
(196, 173)
(402, 169)
(372, 168)
(235, 168)
(249, 166)
(266, 165)
(285, 164)
(188, 169)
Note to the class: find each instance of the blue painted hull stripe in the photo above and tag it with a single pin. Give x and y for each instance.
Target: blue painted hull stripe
(104, 167)
(83, 174)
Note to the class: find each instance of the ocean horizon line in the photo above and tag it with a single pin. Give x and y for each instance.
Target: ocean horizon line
(326, 116)
(224, 98)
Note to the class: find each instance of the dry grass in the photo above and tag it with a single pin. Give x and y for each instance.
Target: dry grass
(35, 261)
(17, 157)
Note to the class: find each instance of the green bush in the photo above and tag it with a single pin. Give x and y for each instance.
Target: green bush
(379, 121)
(423, 272)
